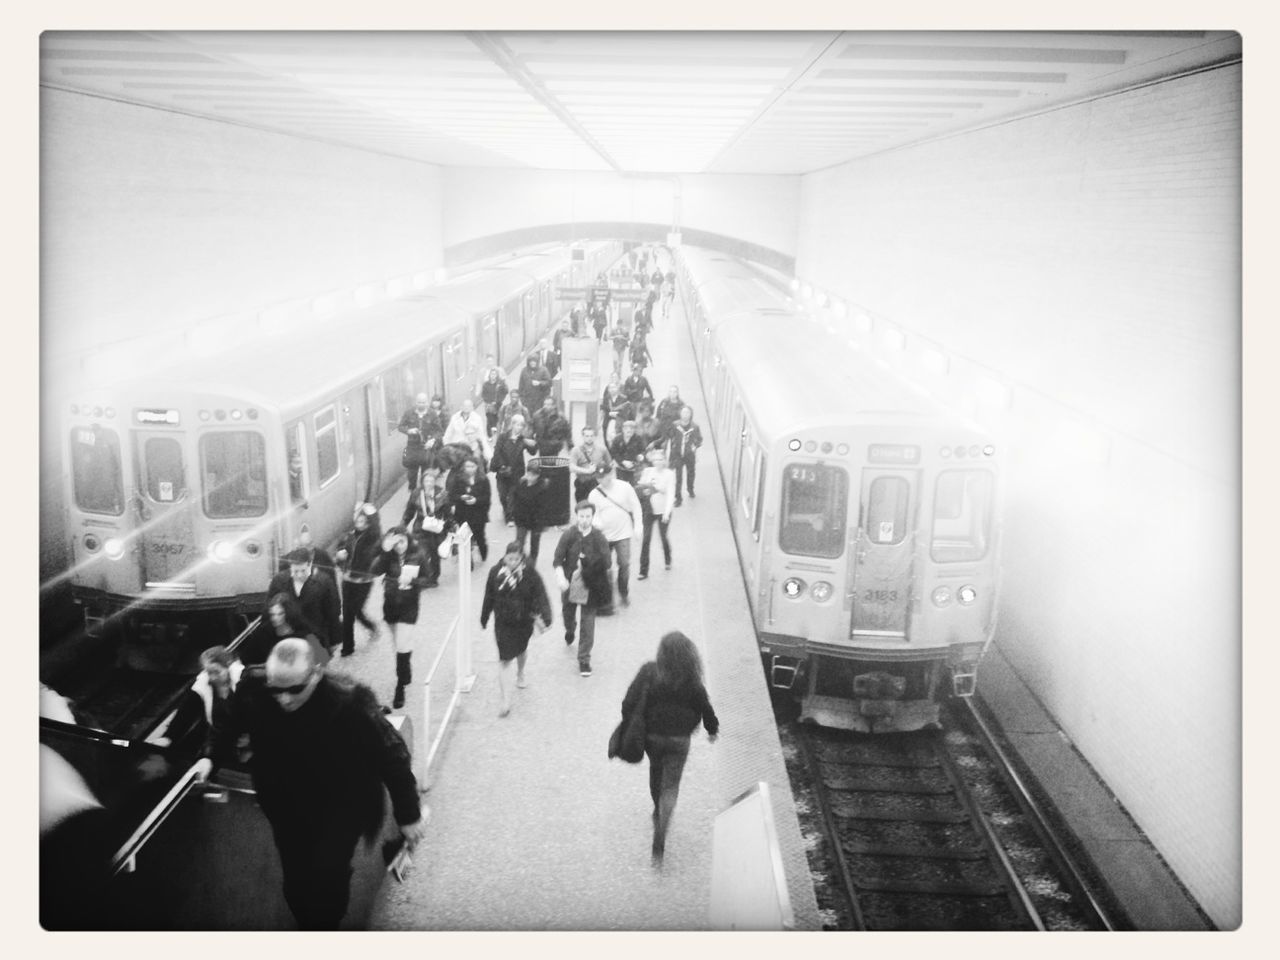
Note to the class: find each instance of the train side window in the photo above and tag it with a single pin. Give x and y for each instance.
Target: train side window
(962, 504)
(166, 473)
(417, 380)
(885, 518)
(326, 424)
(397, 394)
(295, 446)
(815, 500)
(95, 470)
(234, 465)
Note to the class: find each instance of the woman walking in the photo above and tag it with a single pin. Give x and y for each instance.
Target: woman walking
(675, 701)
(355, 558)
(403, 566)
(516, 597)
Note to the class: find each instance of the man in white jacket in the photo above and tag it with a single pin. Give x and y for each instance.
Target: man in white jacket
(619, 518)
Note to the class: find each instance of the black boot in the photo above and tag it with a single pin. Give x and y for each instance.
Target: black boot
(404, 676)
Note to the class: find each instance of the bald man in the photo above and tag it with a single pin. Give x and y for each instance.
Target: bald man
(322, 752)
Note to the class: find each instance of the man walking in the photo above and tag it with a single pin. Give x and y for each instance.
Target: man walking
(322, 752)
(581, 564)
(619, 518)
(683, 440)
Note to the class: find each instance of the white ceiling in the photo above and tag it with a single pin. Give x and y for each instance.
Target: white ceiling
(765, 102)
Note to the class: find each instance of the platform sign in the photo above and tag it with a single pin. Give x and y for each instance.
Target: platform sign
(748, 884)
(579, 379)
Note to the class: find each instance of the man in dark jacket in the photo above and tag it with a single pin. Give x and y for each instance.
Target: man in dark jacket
(322, 752)
(683, 440)
(583, 549)
(316, 593)
(423, 424)
(535, 383)
(551, 429)
(508, 461)
(635, 388)
(628, 452)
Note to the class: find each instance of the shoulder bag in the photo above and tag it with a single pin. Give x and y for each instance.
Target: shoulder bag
(627, 740)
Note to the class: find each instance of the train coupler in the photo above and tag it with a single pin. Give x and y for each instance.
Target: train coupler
(783, 672)
(964, 679)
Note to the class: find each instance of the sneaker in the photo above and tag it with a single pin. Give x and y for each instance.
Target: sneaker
(521, 682)
(667, 566)
(505, 711)
(626, 601)
(347, 653)
(568, 641)
(584, 671)
(643, 576)
(605, 612)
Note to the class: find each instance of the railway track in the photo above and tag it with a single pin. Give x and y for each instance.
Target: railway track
(929, 831)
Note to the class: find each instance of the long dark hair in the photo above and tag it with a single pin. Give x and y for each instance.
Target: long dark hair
(678, 662)
(299, 625)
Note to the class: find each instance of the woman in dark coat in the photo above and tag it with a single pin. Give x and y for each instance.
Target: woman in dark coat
(469, 497)
(284, 619)
(492, 392)
(676, 701)
(516, 596)
(403, 569)
(355, 558)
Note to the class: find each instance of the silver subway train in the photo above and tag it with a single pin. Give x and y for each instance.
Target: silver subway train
(179, 494)
(866, 518)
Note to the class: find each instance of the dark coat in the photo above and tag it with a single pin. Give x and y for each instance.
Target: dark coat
(535, 384)
(319, 602)
(493, 393)
(592, 553)
(362, 548)
(636, 388)
(527, 503)
(509, 456)
(553, 432)
(633, 450)
(514, 609)
(683, 442)
(401, 605)
(327, 762)
(478, 488)
(670, 711)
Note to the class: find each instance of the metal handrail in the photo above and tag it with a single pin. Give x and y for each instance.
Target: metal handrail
(464, 679)
(125, 858)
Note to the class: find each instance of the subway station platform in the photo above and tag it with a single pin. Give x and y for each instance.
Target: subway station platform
(532, 827)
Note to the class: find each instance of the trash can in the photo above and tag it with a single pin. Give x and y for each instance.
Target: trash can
(556, 505)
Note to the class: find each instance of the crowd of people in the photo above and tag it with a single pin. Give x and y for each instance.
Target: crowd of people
(627, 478)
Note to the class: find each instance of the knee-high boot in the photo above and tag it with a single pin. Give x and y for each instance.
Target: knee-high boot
(404, 676)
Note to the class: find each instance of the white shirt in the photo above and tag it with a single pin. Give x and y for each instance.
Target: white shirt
(618, 514)
(664, 489)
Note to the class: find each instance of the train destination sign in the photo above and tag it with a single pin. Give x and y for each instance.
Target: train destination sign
(892, 453)
(169, 417)
(597, 294)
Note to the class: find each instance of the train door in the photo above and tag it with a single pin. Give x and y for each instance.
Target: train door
(880, 578)
(166, 546)
(357, 442)
(369, 449)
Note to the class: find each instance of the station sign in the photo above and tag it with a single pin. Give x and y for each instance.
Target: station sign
(152, 416)
(892, 453)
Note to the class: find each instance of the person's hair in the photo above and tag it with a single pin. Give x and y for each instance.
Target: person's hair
(677, 661)
(292, 613)
(513, 547)
(219, 655)
(584, 505)
(291, 651)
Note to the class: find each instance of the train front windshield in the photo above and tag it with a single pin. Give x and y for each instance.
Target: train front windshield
(235, 474)
(962, 507)
(815, 501)
(95, 470)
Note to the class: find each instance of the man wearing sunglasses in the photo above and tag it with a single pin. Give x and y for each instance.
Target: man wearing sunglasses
(322, 752)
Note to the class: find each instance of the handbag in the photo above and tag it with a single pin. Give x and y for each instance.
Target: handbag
(432, 524)
(446, 546)
(627, 740)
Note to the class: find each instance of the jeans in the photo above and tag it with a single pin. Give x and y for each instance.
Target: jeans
(505, 486)
(622, 549)
(535, 535)
(689, 463)
(587, 640)
(354, 596)
(663, 525)
(667, 755)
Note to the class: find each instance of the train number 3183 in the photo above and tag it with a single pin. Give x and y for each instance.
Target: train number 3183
(879, 596)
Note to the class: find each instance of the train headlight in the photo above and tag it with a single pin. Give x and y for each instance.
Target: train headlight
(967, 594)
(941, 596)
(220, 551)
(793, 445)
(821, 591)
(793, 588)
(114, 548)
